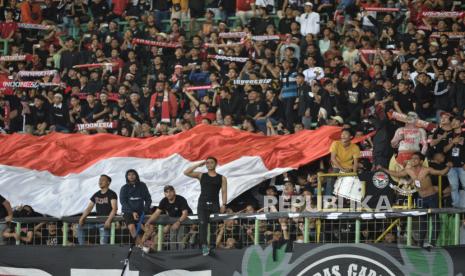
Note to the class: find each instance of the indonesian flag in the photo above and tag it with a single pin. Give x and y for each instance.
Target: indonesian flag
(57, 174)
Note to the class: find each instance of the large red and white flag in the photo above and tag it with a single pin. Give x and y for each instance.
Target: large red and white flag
(57, 174)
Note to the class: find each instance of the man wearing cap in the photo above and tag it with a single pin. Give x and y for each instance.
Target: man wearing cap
(336, 121)
(309, 20)
(175, 206)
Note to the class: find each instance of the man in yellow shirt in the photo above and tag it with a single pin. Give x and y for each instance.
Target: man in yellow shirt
(344, 158)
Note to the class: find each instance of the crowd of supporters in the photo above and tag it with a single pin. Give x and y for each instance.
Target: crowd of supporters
(160, 67)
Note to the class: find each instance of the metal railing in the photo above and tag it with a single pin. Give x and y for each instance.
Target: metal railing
(435, 226)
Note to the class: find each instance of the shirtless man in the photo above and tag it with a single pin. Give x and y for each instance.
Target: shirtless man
(428, 195)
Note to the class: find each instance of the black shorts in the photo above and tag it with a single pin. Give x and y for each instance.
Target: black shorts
(129, 219)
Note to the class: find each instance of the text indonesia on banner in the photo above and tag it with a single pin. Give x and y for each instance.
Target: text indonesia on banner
(58, 173)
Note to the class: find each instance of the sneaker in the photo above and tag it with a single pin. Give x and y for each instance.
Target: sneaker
(427, 245)
(205, 250)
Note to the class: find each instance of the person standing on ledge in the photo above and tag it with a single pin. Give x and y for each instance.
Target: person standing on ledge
(210, 185)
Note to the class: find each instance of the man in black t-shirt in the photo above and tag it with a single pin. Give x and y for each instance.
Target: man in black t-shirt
(6, 213)
(175, 206)
(404, 100)
(106, 204)
(455, 151)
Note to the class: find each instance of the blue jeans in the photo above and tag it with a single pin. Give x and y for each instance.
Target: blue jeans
(104, 233)
(455, 174)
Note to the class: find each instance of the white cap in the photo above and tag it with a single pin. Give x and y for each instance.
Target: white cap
(308, 4)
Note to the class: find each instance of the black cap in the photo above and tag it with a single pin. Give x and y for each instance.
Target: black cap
(168, 188)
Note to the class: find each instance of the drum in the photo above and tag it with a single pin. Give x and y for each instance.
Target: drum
(348, 187)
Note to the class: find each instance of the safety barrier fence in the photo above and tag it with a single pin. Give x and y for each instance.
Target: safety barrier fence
(410, 227)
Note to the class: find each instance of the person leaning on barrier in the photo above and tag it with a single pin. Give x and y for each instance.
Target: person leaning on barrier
(106, 204)
(6, 213)
(175, 206)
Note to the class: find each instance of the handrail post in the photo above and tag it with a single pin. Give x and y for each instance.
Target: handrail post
(306, 232)
(256, 232)
(409, 231)
(65, 233)
(318, 230)
(430, 228)
(319, 197)
(112, 233)
(357, 231)
(18, 232)
(160, 237)
(440, 191)
(208, 234)
(409, 222)
(457, 229)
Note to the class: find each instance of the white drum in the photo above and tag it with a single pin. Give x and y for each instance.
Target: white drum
(348, 187)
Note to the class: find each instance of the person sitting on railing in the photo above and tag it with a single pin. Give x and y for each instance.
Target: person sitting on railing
(427, 194)
(344, 158)
(175, 206)
(106, 203)
(135, 201)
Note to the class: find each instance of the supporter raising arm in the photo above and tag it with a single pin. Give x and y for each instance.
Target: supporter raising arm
(210, 185)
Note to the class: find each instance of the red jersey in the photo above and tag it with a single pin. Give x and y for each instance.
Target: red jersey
(6, 28)
(244, 5)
